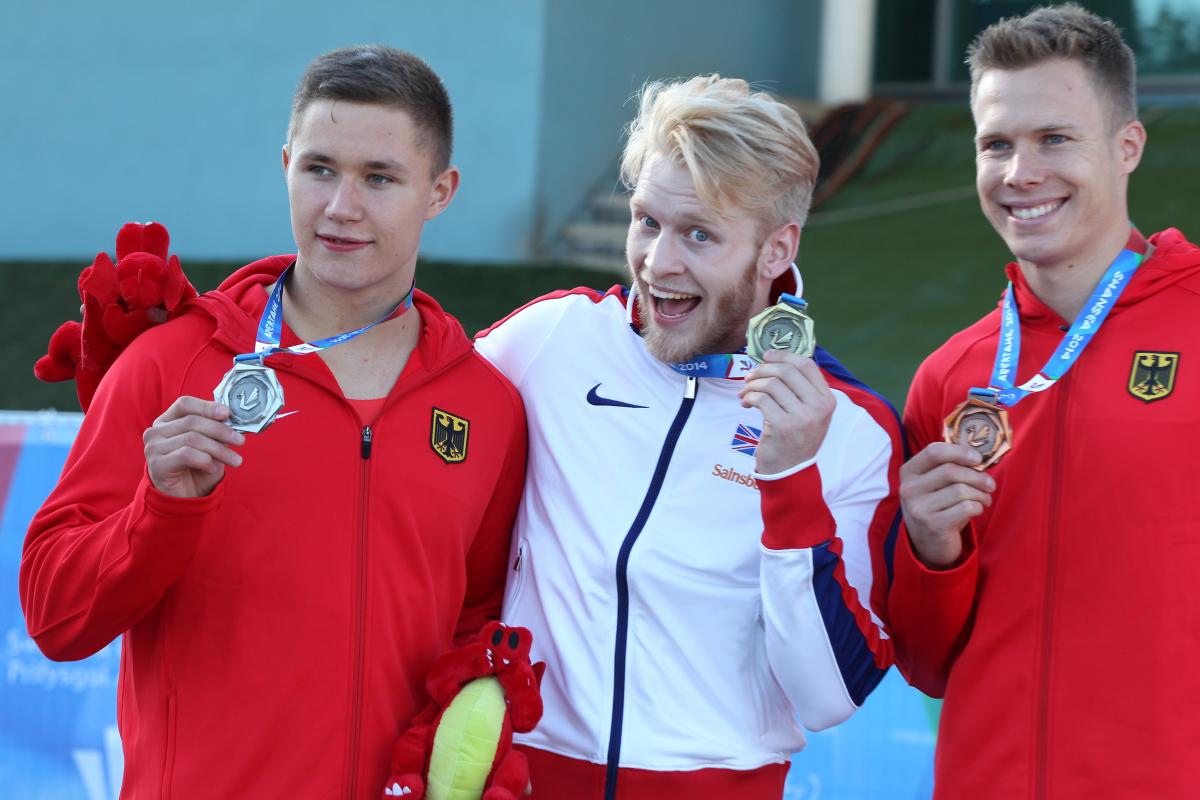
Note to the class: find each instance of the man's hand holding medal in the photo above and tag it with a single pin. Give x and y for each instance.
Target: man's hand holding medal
(941, 490)
(786, 386)
(189, 447)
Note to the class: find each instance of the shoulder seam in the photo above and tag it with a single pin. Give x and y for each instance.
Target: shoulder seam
(595, 294)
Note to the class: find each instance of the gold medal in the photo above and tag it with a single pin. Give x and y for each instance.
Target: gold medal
(783, 326)
(253, 394)
(982, 426)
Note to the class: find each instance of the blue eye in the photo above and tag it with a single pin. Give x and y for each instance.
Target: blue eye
(698, 235)
(1054, 138)
(319, 170)
(378, 180)
(650, 222)
(994, 146)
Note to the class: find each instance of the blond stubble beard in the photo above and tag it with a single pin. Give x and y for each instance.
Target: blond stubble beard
(727, 334)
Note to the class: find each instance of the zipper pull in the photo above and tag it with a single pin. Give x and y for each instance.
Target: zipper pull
(520, 555)
(689, 391)
(367, 437)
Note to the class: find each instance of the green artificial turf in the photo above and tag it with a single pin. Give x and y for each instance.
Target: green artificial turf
(891, 269)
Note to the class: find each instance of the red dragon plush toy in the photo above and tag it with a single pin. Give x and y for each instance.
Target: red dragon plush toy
(144, 287)
(460, 747)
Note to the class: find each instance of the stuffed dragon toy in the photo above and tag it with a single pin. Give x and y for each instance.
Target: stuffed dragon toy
(145, 286)
(460, 747)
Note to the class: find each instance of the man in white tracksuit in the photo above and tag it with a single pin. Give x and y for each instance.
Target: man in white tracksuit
(699, 558)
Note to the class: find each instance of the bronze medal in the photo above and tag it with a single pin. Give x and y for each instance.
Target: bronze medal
(783, 326)
(253, 394)
(982, 426)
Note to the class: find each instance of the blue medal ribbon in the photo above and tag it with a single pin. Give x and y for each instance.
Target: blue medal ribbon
(271, 324)
(1002, 389)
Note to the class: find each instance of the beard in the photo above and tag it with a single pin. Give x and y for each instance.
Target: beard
(721, 328)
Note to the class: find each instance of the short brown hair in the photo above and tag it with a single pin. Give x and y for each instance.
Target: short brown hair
(380, 75)
(1062, 32)
(742, 148)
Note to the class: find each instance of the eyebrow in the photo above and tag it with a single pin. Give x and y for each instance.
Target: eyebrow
(685, 218)
(385, 164)
(1053, 126)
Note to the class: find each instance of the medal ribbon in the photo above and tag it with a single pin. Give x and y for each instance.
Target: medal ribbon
(271, 323)
(733, 366)
(1002, 389)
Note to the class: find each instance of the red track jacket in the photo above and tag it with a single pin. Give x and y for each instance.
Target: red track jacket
(278, 632)
(1066, 642)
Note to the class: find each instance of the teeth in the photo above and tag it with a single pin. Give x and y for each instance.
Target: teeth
(661, 295)
(1036, 211)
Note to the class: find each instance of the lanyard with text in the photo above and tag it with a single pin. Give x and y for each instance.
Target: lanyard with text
(982, 421)
(1075, 340)
(251, 389)
(271, 323)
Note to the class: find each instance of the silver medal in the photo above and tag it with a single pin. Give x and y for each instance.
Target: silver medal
(253, 394)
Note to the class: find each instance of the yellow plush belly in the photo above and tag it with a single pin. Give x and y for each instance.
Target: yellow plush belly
(464, 745)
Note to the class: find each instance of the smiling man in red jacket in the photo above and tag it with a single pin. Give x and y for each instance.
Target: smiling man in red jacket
(283, 592)
(1046, 585)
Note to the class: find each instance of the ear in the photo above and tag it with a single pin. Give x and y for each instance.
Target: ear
(1130, 144)
(287, 157)
(442, 192)
(778, 251)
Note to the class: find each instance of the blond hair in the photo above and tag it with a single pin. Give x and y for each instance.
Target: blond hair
(1062, 32)
(743, 149)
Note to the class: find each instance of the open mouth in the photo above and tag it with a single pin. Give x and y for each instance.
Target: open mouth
(672, 305)
(1028, 213)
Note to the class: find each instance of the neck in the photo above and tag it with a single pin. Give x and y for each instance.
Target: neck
(1065, 287)
(314, 309)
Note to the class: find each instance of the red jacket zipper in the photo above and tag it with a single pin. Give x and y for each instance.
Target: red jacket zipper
(1042, 732)
(360, 617)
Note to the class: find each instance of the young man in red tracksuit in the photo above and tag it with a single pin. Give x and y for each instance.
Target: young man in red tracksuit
(1046, 587)
(283, 593)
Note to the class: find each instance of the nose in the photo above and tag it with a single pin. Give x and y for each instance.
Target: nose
(664, 257)
(1024, 168)
(344, 204)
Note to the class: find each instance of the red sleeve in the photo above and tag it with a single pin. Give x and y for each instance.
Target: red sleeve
(929, 611)
(487, 560)
(106, 545)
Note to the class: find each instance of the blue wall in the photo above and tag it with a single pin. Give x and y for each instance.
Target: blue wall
(177, 112)
(136, 110)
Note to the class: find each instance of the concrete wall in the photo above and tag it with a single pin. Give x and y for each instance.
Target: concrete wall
(599, 54)
(137, 110)
(176, 111)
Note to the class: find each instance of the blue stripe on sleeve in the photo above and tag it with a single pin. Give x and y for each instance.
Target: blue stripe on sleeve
(854, 657)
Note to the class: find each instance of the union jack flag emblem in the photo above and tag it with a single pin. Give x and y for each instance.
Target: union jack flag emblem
(745, 440)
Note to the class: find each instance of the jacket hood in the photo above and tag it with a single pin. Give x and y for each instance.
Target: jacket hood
(1174, 259)
(237, 304)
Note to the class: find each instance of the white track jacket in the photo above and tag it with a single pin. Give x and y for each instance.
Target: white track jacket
(692, 613)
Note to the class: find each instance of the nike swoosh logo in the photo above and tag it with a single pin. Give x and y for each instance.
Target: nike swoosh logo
(597, 400)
